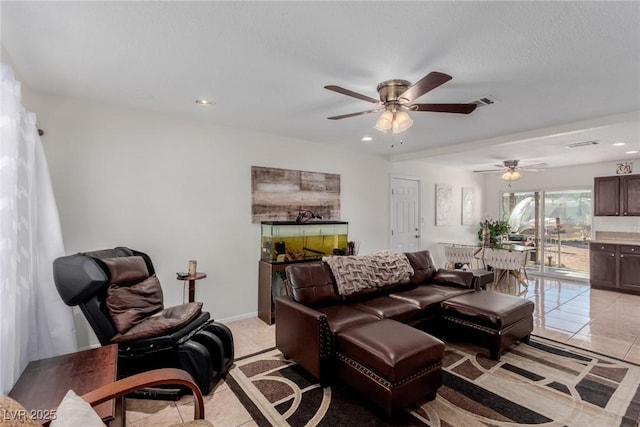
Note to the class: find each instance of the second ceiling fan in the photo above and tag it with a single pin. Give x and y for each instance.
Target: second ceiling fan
(396, 98)
(511, 171)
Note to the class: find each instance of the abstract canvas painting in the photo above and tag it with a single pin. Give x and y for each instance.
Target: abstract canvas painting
(443, 204)
(468, 206)
(285, 194)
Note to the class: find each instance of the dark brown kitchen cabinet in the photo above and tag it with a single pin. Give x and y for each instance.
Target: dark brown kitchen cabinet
(616, 195)
(615, 267)
(602, 265)
(606, 196)
(629, 267)
(630, 195)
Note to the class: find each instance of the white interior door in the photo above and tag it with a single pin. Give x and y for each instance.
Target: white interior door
(405, 214)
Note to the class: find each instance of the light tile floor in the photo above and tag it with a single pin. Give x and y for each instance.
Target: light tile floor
(570, 312)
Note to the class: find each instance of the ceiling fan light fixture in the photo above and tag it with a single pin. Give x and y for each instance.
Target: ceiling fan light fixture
(385, 121)
(401, 122)
(511, 175)
(396, 121)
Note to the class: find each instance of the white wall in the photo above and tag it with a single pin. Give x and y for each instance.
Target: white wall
(559, 179)
(429, 175)
(180, 189)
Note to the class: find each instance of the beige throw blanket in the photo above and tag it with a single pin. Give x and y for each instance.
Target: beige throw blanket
(356, 273)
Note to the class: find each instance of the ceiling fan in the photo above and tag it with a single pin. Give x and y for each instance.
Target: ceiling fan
(396, 98)
(511, 170)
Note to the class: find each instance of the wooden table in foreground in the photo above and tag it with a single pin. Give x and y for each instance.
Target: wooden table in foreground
(43, 384)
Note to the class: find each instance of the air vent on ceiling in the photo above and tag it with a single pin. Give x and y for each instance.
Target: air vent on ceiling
(485, 100)
(581, 144)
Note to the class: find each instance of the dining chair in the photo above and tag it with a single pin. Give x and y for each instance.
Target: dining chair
(460, 255)
(505, 263)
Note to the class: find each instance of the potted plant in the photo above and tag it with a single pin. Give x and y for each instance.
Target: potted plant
(491, 231)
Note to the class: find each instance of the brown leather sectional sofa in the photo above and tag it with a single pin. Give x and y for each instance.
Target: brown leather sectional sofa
(313, 314)
(375, 339)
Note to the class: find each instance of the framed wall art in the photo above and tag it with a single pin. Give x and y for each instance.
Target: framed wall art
(285, 194)
(468, 206)
(443, 204)
(624, 168)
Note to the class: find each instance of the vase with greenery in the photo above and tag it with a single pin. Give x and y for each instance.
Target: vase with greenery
(495, 230)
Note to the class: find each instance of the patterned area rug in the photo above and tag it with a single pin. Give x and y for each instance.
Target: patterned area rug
(541, 383)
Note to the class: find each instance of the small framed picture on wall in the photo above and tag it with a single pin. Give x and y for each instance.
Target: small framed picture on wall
(623, 168)
(468, 206)
(443, 204)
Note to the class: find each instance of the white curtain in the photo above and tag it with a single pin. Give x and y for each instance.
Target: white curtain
(34, 322)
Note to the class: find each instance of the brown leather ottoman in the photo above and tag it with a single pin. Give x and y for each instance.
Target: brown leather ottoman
(392, 364)
(496, 320)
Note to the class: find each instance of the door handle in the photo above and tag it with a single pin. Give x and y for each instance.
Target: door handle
(417, 236)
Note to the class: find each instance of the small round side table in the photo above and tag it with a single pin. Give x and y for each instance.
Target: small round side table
(192, 283)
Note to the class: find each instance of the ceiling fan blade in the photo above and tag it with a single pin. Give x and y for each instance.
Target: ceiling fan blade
(535, 166)
(352, 93)
(424, 85)
(445, 108)
(345, 116)
(488, 170)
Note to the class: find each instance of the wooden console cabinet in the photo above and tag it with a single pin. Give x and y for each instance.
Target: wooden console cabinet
(265, 301)
(617, 195)
(266, 309)
(615, 267)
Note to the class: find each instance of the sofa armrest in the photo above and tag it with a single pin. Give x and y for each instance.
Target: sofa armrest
(454, 277)
(302, 334)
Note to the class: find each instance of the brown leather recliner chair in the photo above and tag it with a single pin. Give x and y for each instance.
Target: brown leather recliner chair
(177, 337)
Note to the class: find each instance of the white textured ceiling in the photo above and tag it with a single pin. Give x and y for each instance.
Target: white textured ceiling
(562, 71)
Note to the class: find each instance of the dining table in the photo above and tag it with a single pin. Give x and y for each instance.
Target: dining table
(508, 257)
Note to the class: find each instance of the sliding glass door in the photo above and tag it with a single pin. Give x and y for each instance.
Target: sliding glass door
(557, 223)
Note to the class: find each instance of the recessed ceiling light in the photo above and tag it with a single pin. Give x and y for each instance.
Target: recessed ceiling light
(632, 152)
(366, 139)
(203, 101)
(619, 144)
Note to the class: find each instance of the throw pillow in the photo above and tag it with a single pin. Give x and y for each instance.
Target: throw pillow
(74, 411)
(162, 322)
(126, 270)
(129, 305)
